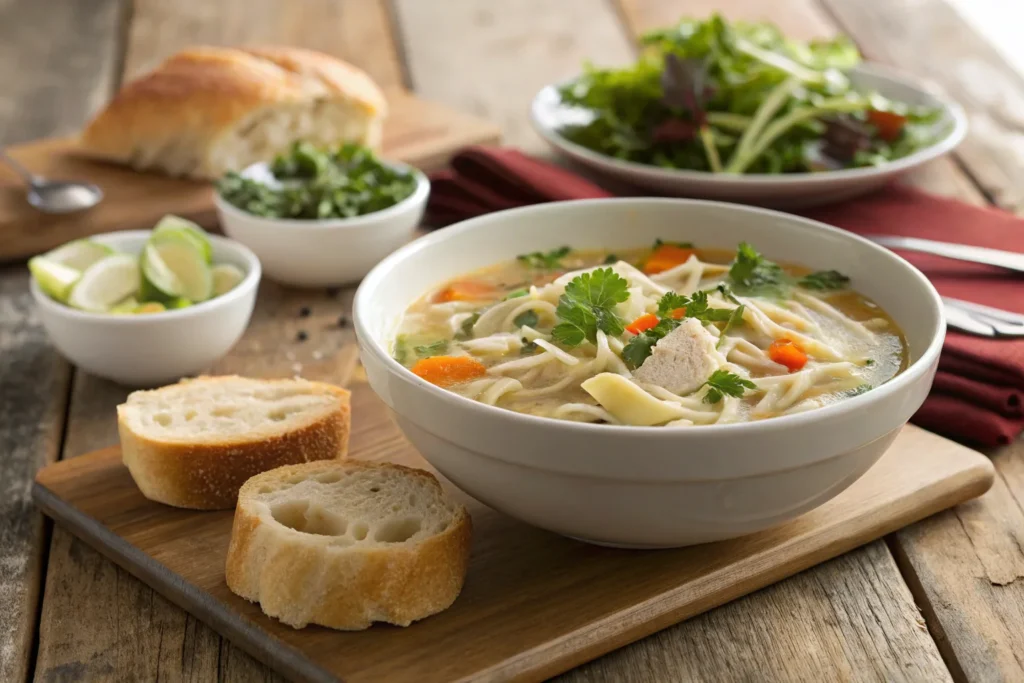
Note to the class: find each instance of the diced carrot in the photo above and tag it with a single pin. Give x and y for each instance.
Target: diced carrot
(889, 125)
(678, 314)
(666, 256)
(785, 352)
(444, 371)
(644, 322)
(467, 290)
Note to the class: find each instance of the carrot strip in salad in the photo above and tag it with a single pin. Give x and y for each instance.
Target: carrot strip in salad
(666, 257)
(643, 323)
(445, 371)
(785, 352)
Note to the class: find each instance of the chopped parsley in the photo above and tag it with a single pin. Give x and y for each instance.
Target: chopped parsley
(735, 319)
(588, 305)
(401, 349)
(428, 350)
(824, 280)
(869, 361)
(724, 383)
(610, 259)
(527, 318)
(752, 274)
(528, 348)
(546, 260)
(641, 346)
(682, 245)
(516, 293)
(466, 329)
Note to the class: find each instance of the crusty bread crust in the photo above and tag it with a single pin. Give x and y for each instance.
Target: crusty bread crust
(207, 476)
(182, 108)
(300, 579)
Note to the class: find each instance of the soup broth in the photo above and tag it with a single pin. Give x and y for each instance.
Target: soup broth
(664, 335)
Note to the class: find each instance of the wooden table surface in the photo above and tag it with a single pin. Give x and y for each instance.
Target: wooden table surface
(941, 600)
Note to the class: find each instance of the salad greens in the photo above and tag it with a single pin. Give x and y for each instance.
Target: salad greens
(311, 183)
(742, 98)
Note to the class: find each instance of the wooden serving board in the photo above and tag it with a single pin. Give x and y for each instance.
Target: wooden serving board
(418, 132)
(534, 604)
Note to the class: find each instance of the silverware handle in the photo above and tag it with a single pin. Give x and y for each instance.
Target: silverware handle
(959, 252)
(961, 320)
(30, 178)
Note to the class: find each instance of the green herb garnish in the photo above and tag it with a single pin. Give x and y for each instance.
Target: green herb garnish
(526, 319)
(401, 349)
(546, 260)
(641, 346)
(466, 329)
(317, 183)
(516, 293)
(753, 275)
(824, 280)
(682, 245)
(869, 361)
(528, 348)
(588, 305)
(434, 349)
(724, 383)
(610, 259)
(735, 319)
(670, 302)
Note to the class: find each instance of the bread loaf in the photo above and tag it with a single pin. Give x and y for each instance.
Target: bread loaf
(208, 110)
(193, 444)
(345, 544)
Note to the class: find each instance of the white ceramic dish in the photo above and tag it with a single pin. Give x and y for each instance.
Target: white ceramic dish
(793, 190)
(154, 348)
(328, 252)
(647, 486)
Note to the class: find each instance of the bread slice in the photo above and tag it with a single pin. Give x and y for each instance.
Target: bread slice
(193, 444)
(345, 544)
(208, 110)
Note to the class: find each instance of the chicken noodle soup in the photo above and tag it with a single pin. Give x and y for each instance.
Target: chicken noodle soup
(667, 335)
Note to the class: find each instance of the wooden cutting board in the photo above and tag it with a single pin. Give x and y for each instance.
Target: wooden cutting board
(534, 604)
(418, 132)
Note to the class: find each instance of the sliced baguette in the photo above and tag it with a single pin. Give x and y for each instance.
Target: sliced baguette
(344, 544)
(193, 444)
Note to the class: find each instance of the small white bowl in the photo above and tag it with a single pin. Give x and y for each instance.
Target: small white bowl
(647, 486)
(325, 252)
(789, 190)
(152, 349)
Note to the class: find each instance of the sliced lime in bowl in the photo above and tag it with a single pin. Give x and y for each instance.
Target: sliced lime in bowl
(56, 279)
(79, 254)
(175, 227)
(226, 277)
(175, 268)
(105, 283)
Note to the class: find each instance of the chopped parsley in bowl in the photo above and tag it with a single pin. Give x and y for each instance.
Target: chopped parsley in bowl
(309, 183)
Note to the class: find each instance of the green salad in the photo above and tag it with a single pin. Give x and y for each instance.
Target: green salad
(312, 183)
(742, 98)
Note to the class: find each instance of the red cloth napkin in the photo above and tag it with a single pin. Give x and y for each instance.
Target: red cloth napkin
(979, 389)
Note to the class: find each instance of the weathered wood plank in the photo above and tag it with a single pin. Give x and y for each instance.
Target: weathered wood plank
(491, 58)
(931, 40)
(56, 64)
(98, 622)
(850, 619)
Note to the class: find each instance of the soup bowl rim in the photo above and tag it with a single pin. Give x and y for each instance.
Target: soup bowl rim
(917, 369)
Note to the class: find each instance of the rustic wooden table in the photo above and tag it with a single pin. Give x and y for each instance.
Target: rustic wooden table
(941, 600)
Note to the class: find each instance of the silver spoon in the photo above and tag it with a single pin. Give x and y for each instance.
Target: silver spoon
(55, 196)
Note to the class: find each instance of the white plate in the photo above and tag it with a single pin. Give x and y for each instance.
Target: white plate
(790, 190)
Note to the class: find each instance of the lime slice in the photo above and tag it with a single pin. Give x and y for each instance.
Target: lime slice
(105, 283)
(150, 307)
(175, 268)
(180, 302)
(175, 227)
(53, 278)
(79, 254)
(125, 307)
(225, 278)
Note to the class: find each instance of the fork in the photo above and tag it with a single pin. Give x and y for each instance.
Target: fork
(984, 321)
(960, 252)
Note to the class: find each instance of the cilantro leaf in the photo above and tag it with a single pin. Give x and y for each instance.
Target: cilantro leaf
(753, 274)
(516, 293)
(641, 346)
(528, 318)
(588, 305)
(671, 302)
(547, 260)
(723, 382)
(824, 280)
(434, 349)
(466, 329)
